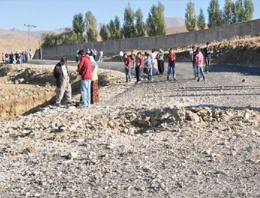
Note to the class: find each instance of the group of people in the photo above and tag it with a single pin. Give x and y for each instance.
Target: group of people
(99, 57)
(153, 64)
(150, 64)
(88, 69)
(17, 58)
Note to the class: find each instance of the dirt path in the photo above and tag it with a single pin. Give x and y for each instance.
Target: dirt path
(138, 144)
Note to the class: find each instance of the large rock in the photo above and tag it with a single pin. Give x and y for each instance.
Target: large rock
(192, 117)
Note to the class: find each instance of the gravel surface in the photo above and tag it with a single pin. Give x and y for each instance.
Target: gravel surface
(160, 139)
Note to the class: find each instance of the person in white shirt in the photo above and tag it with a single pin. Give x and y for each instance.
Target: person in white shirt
(121, 54)
(101, 54)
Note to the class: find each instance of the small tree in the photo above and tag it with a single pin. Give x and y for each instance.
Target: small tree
(239, 10)
(201, 20)
(155, 22)
(129, 27)
(104, 33)
(78, 26)
(215, 16)
(248, 10)
(91, 26)
(234, 14)
(227, 14)
(139, 27)
(111, 29)
(190, 17)
(118, 30)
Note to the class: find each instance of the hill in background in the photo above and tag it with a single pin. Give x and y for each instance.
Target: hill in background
(15, 40)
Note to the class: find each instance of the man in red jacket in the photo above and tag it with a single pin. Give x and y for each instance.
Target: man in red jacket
(85, 70)
(171, 67)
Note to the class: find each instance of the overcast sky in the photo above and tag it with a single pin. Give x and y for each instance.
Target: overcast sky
(54, 14)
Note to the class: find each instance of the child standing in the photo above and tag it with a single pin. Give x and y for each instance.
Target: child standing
(199, 63)
(171, 67)
(138, 65)
(127, 62)
(149, 65)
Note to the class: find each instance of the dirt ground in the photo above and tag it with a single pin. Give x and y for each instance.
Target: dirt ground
(25, 87)
(159, 139)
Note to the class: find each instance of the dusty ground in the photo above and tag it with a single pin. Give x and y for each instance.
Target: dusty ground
(160, 139)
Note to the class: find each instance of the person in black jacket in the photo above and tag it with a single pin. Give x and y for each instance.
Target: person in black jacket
(63, 85)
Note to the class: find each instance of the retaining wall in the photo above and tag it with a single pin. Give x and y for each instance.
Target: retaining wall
(113, 47)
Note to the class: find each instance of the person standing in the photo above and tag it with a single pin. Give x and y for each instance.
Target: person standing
(193, 54)
(127, 62)
(63, 85)
(94, 83)
(3, 57)
(138, 65)
(199, 63)
(121, 54)
(154, 62)
(160, 59)
(101, 54)
(85, 70)
(207, 52)
(171, 65)
(132, 56)
(149, 65)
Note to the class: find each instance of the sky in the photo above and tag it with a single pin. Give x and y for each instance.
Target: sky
(55, 14)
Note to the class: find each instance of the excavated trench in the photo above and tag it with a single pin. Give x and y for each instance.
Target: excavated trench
(39, 86)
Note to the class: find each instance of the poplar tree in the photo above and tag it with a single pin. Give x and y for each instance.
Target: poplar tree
(201, 20)
(155, 22)
(79, 26)
(129, 27)
(104, 33)
(215, 17)
(139, 26)
(190, 17)
(91, 26)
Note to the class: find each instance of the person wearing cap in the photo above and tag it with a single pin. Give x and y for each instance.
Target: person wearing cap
(63, 85)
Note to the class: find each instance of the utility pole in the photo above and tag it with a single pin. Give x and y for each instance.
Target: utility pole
(29, 42)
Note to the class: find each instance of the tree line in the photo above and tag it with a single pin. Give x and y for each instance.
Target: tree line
(84, 28)
(233, 12)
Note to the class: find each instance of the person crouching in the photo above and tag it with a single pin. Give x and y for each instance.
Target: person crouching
(63, 85)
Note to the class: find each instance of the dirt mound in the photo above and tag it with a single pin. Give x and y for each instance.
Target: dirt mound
(240, 51)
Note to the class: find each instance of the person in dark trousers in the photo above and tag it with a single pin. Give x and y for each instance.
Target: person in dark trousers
(193, 61)
(127, 63)
(160, 58)
(207, 53)
(63, 85)
(138, 66)
(171, 66)
(132, 56)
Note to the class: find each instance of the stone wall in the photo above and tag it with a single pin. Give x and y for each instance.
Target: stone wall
(110, 48)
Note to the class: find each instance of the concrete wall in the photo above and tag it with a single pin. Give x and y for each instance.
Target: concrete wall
(250, 28)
